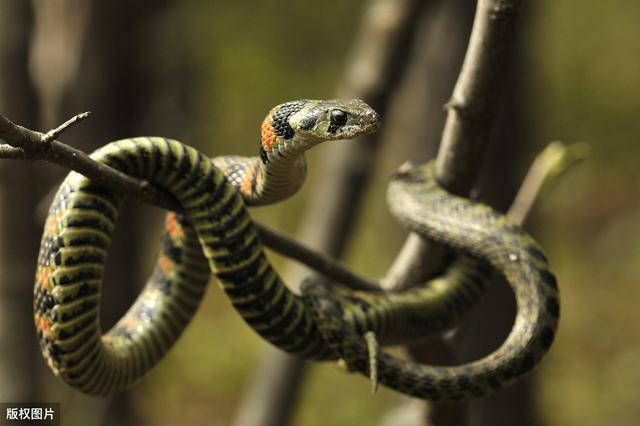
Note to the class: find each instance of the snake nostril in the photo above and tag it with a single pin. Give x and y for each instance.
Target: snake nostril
(373, 118)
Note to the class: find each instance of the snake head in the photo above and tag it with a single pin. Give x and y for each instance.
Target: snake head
(305, 123)
(318, 121)
(293, 127)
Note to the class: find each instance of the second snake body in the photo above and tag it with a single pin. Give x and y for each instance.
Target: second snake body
(216, 234)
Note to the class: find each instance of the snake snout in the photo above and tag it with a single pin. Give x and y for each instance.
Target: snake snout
(371, 119)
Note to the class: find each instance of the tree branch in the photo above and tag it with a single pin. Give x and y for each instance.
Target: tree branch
(54, 133)
(39, 146)
(9, 152)
(477, 94)
(471, 112)
(554, 160)
(323, 263)
(26, 144)
(548, 165)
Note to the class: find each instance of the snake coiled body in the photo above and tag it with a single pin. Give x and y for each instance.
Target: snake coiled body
(477, 230)
(216, 234)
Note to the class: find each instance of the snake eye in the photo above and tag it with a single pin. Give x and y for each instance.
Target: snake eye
(338, 118)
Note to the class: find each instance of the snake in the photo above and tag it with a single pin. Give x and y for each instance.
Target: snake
(214, 233)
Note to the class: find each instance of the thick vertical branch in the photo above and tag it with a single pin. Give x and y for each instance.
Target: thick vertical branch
(471, 113)
(477, 94)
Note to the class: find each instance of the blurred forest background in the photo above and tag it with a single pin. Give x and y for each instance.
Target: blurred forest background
(207, 72)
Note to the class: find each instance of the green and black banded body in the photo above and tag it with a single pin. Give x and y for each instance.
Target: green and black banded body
(216, 234)
(432, 307)
(478, 231)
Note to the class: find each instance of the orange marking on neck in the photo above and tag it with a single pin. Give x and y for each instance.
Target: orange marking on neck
(268, 135)
(250, 174)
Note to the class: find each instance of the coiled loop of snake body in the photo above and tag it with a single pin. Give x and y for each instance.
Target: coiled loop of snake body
(476, 230)
(216, 234)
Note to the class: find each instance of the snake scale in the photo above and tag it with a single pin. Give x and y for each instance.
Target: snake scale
(215, 234)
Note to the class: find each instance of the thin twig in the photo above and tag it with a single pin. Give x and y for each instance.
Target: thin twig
(54, 133)
(554, 160)
(318, 261)
(23, 143)
(70, 158)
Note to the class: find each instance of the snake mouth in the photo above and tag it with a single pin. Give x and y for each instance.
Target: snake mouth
(353, 131)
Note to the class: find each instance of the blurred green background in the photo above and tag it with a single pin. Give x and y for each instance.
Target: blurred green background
(207, 72)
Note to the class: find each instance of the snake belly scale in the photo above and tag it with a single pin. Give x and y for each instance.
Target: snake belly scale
(216, 234)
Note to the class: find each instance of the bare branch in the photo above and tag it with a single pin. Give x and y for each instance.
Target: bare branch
(471, 112)
(318, 261)
(53, 134)
(548, 165)
(10, 152)
(56, 152)
(554, 160)
(22, 143)
(477, 94)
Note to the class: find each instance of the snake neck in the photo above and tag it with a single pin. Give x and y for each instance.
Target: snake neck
(279, 178)
(278, 172)
(281, 167)
(286, 133)
(261, 182)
